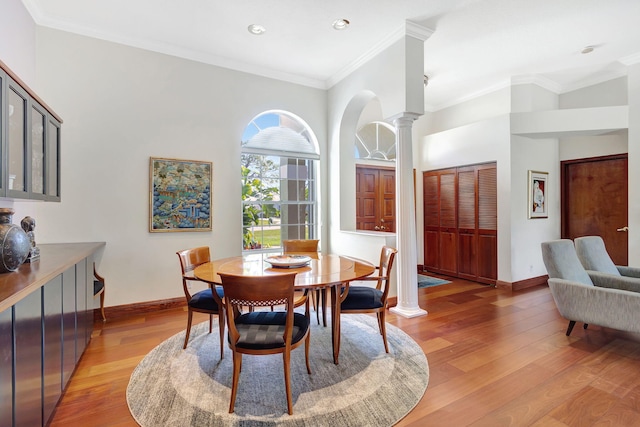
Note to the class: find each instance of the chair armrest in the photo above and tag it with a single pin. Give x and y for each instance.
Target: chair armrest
(612, 308)
(302, 299)
(606, 280)
(629, 271)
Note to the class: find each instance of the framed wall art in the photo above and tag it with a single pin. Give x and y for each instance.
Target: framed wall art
(180, 195)
(538, 187)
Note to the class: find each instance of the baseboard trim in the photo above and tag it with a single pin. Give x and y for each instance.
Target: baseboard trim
(522, 284)
(118, 311)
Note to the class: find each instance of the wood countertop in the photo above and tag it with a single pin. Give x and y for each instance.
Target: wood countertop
(54, 260)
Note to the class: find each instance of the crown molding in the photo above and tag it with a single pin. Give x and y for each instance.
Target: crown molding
(543, 82)
(409, 28)
(631, 59)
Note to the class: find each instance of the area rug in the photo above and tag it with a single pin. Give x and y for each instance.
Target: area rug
(426, 281)
(192, 387)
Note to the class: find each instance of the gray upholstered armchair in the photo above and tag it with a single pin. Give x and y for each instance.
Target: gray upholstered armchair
(596, 260)
(581, 298)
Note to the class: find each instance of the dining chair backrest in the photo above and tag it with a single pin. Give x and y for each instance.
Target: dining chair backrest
(387, 257)
(300, 245)
(257, 291)
(192, 258)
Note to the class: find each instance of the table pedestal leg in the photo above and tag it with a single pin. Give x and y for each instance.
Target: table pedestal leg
(335, 321)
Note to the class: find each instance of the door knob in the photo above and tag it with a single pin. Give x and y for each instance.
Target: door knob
(623, 229)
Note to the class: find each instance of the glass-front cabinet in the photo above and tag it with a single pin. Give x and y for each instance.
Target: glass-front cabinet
(30, 134)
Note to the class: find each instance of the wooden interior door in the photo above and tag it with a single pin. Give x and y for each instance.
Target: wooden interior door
(375, 198)
(595, 202)
(366, 198)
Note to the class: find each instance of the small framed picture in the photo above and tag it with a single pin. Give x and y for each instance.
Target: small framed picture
(538, 184)
(180, 195)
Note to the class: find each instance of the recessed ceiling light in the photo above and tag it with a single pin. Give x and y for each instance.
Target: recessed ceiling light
(256, 29)
(587, 49)
(340, 24)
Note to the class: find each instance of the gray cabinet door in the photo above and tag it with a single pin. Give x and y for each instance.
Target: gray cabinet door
(6, 367)
(53, 340)
(28, 360)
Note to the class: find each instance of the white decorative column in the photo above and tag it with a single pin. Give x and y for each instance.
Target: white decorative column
(407, 258)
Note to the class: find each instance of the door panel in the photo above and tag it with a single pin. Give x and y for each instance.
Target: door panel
(366, 185)
(388, 199)
(375, 198)
(595, 202)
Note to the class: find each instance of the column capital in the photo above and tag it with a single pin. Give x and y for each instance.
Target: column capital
(404, 119)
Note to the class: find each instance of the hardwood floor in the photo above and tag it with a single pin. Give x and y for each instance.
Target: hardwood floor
(496, 358)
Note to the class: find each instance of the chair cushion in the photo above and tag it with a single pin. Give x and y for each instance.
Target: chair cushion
(204, 299)
(97, 286)
(362, 297)
(265, 329)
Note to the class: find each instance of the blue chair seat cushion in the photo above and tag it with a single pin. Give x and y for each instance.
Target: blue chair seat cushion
(362, 298)
(97, 286)
(260, 330)
(204, 299)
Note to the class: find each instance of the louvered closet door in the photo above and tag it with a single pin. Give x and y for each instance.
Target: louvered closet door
(431, 209)
(467, 223)
(460, 222)
(487, 224)
(440, 229)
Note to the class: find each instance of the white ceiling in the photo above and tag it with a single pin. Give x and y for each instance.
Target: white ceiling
(476, 46)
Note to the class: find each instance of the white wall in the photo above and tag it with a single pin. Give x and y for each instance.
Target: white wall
(123, 105)
(18, 41)
(528, 233)
(634, 164)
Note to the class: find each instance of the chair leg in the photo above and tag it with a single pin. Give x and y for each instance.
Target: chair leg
(186, 337)
(572, 323)
(383, 329)
(237, 364)
(210, 323)
(286, 356)
(104, 318)
(221, 325)
(307, 346)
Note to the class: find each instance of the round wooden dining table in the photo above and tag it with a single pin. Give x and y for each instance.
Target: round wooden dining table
(323, 271)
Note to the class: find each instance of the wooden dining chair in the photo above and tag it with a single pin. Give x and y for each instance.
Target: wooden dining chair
(319, 297)
(99, 286)
(367, 299)
(262, 332)
(204, 301)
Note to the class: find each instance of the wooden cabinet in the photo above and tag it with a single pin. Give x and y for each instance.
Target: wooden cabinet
(30, 141)
(375, 198)
(460, 222)
(46, 319)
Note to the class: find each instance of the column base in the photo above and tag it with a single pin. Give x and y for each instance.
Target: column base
(408, 312)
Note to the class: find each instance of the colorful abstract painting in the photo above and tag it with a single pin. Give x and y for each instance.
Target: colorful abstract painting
(180, 198)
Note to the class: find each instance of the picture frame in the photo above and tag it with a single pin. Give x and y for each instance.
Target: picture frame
(179, 195)
(538, 194)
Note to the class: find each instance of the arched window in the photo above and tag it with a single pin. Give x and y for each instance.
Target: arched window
(279, 186)
(376, 141)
